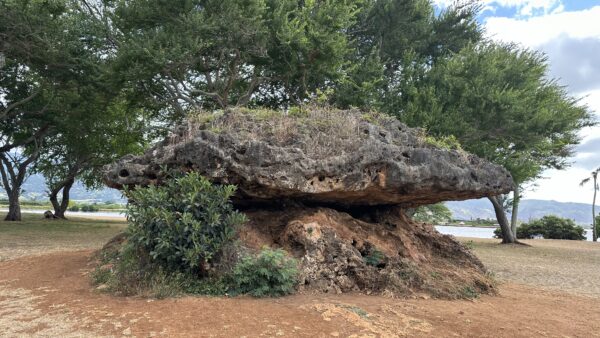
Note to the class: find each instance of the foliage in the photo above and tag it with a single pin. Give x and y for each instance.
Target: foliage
(444, 142)
(270, 273)
(176, 232)
(184, 224)
(433, 214)
(549, 227)
(374, 258)
(84, 207)
(58, 109)
(215, 53)
(489, 85)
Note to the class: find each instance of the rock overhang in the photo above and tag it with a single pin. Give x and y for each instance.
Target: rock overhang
(347, 158)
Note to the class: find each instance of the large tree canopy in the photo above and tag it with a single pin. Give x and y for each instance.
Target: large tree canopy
(54, 90)
(497, 100)
(191, 54)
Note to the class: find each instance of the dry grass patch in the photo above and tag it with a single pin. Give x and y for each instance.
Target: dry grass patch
(36, 235)
(318, 131)
(572, 266)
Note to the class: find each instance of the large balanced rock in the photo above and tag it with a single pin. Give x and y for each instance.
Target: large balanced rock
(336, 157)
(330, 187)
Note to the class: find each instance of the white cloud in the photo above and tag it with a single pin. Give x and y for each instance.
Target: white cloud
(523, 7)
(536, 31)
(571, 41)
(563, 186)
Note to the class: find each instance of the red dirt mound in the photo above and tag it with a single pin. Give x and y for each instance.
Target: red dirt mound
(382, 252)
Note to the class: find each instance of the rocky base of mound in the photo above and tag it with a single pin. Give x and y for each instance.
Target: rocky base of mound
(380, 251)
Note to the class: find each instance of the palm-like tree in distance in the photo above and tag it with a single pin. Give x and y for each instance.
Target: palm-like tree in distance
(594, 179)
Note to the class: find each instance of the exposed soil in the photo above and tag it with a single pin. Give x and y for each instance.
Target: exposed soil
(50, 295)
(379, 251)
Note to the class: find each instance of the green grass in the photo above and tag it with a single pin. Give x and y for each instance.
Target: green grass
(557, 264)
(34, 234)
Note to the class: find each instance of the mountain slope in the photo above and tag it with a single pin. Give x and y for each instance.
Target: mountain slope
(529, 209)
(35, 188)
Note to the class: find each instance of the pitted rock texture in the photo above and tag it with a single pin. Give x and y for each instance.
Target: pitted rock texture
(344, 158)
(382, 252)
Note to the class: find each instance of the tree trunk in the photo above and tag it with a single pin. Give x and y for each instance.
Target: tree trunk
(507, 235)
(515, 210)
(594, 232)
(61, 208)
(14, 206)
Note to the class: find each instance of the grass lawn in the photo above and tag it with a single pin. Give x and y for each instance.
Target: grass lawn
(572, 266)
(36, 235)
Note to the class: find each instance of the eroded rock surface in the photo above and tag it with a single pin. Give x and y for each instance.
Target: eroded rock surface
(343, 158)
(382, 252)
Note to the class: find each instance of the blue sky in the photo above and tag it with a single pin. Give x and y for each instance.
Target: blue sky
(568, 31)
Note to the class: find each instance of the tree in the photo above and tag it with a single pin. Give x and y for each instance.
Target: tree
(393, 43)
(432, 214)
(594, 178)
(205, 54)
(31, 65)
(82, 148)
(54, 81)
(497, 100)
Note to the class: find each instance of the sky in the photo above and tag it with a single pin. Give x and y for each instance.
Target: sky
(568, 32)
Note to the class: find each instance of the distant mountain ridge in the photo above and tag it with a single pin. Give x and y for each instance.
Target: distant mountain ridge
(35, 188)
(529, 209)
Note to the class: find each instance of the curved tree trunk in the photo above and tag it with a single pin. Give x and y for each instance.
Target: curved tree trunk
(61, 208)
(515, 210)
(507, 235)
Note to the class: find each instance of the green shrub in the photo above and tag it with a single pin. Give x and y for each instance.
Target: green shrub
(184, 224)
(270, 273)
(88, 208)
(549, 227)
(181, 239)
(374, 258)
(74, 208)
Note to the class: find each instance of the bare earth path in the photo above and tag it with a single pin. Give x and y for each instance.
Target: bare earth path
(49, 295)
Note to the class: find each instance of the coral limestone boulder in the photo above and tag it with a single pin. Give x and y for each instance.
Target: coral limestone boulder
(338, 157)
(331, 187)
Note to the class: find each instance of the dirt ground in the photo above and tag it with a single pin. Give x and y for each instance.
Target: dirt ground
(49, 295)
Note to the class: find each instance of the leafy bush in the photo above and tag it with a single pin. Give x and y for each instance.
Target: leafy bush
(176, 232)
(549, 227)
(270, 273)
(184, 224)
(89, 208)
(74, 208)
